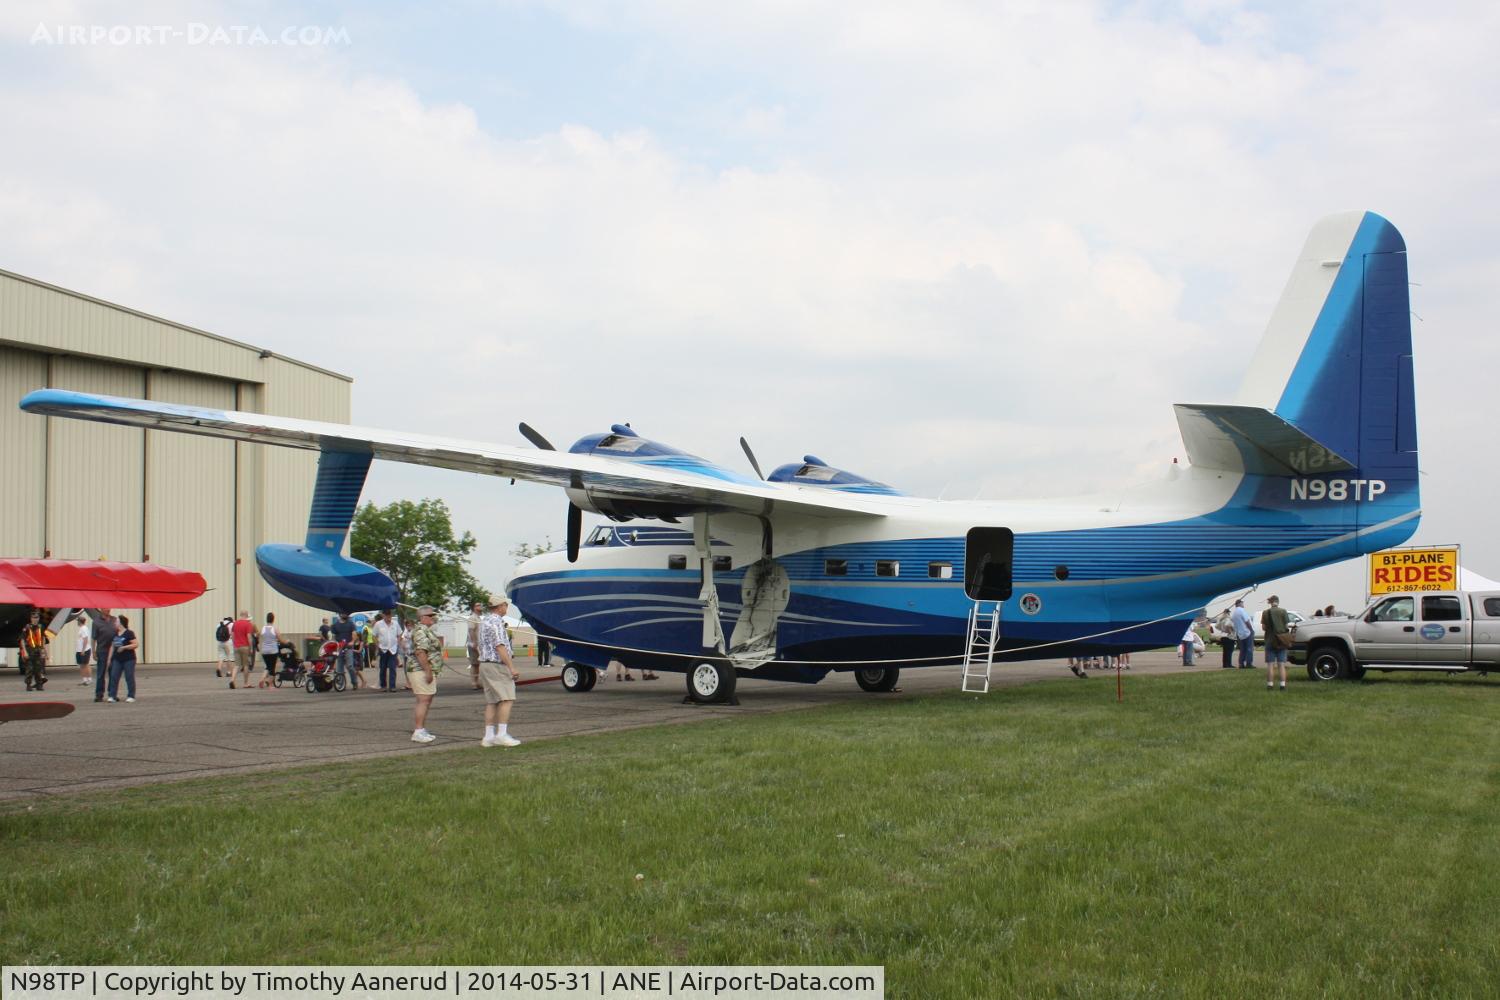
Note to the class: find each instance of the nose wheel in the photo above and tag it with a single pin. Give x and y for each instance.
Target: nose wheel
(577, 678)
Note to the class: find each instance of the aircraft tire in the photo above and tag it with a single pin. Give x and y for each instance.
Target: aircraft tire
(590, 678)
(576, 678)
(1327, 663)
(710, 682)
(877, 679)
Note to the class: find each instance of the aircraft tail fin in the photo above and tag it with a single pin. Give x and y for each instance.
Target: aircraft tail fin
(1330, 388)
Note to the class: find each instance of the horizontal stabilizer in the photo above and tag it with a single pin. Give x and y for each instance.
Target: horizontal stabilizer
(1251, 440)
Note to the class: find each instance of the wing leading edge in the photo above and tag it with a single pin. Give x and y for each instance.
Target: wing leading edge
(614, 478)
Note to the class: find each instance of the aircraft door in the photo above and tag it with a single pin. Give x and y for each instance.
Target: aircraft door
(1388, 632)
(764, 595)
(989, 559)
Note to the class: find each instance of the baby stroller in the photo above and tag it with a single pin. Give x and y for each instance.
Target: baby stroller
(322, 674)
(291, 667)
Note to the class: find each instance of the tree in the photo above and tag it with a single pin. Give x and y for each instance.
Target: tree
(413, 544)
(526, 550)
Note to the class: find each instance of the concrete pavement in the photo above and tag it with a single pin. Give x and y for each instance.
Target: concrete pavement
(188, 724)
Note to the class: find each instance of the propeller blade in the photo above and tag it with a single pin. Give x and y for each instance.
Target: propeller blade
(751, 456)
(575, 531)
(529, 433)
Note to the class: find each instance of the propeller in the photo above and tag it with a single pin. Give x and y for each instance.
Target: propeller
(575, 513)
(575, 530)
(751, 456)
(530, 433)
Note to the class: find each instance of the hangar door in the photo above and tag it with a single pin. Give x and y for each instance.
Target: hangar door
(989, 557)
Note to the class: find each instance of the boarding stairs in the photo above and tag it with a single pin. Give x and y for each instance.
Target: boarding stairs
(979, 651)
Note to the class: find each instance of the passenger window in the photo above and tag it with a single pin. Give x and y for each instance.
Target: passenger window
(676, 562)
(887, 567)
(1397, 609)
(835, 567)
(940, 571)
(1441, 609)
(1492, 606)
(723, 564)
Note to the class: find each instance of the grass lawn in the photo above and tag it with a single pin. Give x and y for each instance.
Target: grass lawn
(1205, 838)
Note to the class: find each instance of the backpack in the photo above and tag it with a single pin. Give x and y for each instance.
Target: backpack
(222, 632)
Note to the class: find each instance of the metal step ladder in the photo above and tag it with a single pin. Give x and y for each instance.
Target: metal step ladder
(979, 652)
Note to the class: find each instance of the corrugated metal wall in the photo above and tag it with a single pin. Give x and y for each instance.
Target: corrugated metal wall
(89, 491)
(190, 517)
(23, 450)
(96, 480)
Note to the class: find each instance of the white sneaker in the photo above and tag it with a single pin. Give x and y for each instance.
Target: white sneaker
(113, 701)
(507, 741)
(422, 736)
(489, 741)
(130, 700)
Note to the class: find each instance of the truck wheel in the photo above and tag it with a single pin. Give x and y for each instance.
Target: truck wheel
(877, 678)
(1327, 663)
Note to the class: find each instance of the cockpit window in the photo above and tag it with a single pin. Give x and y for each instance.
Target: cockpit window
(601, 535)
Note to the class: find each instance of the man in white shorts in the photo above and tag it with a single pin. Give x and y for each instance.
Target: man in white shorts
(497, 675)
(224, 647)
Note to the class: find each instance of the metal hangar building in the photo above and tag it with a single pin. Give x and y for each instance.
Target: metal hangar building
(79, 490)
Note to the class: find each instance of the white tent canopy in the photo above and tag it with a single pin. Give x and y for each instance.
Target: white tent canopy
(1470, 580)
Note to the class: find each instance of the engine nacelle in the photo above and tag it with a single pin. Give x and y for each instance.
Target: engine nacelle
(623, 443)
(813, 471)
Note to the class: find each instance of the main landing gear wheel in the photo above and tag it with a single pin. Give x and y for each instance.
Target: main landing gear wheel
(877, 678)
(710, 683)
(1328, 663)
(577, 678)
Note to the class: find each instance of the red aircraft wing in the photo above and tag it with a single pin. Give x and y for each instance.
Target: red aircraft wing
(73, 583)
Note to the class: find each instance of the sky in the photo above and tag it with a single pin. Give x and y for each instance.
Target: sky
(971, 250)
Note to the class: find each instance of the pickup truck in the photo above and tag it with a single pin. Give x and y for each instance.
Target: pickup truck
(1448, 631)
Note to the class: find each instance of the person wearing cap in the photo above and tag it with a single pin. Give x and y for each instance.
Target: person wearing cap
(497, 674)
(422, 670)
(1278, 629)
(33, 650)
(1244, 634)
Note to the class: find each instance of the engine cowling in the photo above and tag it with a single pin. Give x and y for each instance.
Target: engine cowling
(813, 471)
(623, 443)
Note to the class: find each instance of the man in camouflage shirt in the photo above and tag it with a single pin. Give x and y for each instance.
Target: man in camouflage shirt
(422, 670)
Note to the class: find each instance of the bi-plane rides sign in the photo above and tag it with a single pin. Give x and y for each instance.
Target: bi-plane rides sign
(1413, 569)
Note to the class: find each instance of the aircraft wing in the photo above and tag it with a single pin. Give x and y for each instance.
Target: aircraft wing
(78, 583)
(612, 478)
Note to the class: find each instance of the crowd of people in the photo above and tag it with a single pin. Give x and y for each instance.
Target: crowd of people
(406, 656)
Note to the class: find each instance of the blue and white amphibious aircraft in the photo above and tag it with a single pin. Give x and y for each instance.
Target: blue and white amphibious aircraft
(813, 568)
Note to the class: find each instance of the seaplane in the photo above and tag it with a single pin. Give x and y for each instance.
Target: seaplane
(716, 573)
